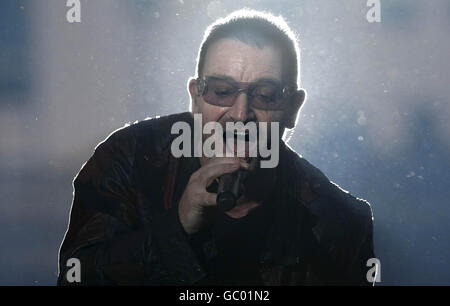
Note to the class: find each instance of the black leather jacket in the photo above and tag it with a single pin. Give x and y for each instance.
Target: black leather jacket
(124, 225)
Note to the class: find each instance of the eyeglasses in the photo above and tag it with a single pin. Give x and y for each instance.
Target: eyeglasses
(263, 95)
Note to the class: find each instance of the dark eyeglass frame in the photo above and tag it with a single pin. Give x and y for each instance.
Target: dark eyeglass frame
(283, 93)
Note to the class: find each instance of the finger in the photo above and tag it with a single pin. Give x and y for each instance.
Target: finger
(209, 174)
(209, 199)
(211, 164)
(220, 160)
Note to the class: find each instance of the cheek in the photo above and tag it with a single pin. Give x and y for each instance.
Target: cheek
(211, 112)
(269, 116)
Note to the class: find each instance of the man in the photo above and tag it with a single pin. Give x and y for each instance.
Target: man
(140, 215)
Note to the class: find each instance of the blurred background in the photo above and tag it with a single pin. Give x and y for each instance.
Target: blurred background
(376, 120)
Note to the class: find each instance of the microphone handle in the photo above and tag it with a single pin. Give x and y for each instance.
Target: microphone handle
(228, 190)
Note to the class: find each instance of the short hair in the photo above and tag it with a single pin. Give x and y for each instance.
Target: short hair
(259, 29)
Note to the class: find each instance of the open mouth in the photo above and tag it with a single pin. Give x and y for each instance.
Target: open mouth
(240, 142)
(235, 135)
(245, 135)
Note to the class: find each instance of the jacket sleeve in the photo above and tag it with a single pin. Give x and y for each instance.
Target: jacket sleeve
(104, 231)
(363, 250)
(366, 253)
(343, 234)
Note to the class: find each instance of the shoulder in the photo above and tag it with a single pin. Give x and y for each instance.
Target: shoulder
(148, 138)
(149, 129)
(339, 217)
(152, 133)
(312, 180)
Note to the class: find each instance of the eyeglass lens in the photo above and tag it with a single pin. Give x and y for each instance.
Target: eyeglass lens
(224, 93)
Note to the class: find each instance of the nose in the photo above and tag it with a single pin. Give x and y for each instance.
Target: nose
(240, 111)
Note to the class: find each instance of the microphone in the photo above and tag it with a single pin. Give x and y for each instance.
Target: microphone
(228, 190)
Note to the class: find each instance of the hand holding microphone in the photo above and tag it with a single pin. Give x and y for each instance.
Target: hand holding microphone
(196, 199)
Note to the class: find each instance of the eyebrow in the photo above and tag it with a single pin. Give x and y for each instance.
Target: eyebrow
(260, 80)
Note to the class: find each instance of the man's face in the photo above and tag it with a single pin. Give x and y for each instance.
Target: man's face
(242, 63)
(234, 60)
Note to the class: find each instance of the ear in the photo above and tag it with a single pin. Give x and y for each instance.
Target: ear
(193, 93)
(293, 108)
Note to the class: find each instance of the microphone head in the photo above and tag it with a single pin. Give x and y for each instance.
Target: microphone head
(226, 201)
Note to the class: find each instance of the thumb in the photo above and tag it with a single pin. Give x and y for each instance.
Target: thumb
(209, 199)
